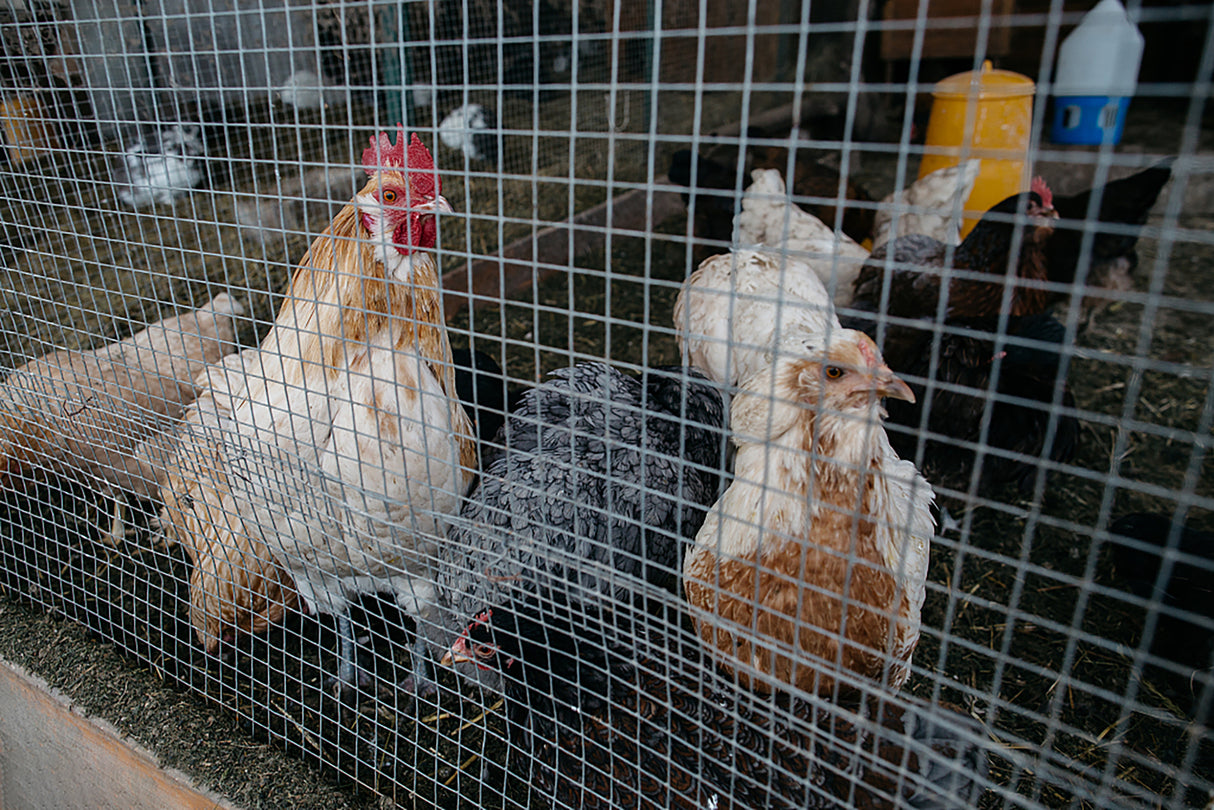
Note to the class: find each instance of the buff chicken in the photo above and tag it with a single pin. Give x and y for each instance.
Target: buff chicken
(330, 457)
(810, 570)
(87, 414)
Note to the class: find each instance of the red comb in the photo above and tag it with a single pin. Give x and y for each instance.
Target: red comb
(415, 159)
(383, 153)
(1043, 191)
(868, 350)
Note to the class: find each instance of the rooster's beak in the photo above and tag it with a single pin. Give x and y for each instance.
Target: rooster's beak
(439, 203)
(458, 653)
(888, 384)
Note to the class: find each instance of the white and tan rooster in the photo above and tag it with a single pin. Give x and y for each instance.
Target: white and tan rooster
(328, 458)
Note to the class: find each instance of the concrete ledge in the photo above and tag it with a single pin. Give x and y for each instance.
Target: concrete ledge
(52, 756)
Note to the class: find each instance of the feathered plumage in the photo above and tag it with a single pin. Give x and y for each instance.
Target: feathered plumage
(161, 166)
(930, 206)
(1186, 594)
(602, 479)
(1124, 205)
(608, 727)
(87, 413)
(768, 217)
(1029, 368)
(716, 184)
(814, 561)
(354, 384)
(918, 265)
(471, 129)
(737, 308)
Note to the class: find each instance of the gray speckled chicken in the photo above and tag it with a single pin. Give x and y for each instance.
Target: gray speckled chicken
(600, 483)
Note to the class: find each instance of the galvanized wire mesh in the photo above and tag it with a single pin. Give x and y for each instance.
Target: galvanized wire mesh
(313, 527)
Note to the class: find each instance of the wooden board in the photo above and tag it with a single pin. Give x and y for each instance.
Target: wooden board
(53, 757)
(950, 42)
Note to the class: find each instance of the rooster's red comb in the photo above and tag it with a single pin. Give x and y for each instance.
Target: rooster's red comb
(1043, 191)
(416, 158)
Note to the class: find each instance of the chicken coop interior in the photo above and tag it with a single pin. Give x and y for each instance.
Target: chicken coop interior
(577, 403)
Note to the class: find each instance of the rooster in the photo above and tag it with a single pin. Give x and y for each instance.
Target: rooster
(350, 406)
(609, 727)
(87, 414)
(814, 561)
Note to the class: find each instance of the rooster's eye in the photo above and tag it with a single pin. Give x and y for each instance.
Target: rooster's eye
(484, 650)
(833, 372)
(389, 197)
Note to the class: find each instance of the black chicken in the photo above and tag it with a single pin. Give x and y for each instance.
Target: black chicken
(1029, 368)
(481, 387)
(608, 728)
(601, 479)
(1123, 204)
(918, 265)
(717, 196)
(1189, 589)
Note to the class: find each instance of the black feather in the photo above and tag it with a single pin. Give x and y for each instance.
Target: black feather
(1189, 588)
(1125, 202)
(608, 726)
(600, 482)
(481, 387)
(1016, 438)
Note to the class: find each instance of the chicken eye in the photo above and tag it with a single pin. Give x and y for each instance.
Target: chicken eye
(484, 650)
(389, 197)
(833, 372)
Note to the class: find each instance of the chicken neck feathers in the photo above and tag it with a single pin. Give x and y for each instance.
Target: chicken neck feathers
(783, 574)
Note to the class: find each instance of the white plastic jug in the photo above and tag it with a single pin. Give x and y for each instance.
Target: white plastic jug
(1097, 74)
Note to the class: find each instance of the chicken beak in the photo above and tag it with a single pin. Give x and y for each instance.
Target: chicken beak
(458, 654)
(439, 203)
(888, 384)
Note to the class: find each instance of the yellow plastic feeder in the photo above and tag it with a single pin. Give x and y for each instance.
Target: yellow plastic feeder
(983, 114)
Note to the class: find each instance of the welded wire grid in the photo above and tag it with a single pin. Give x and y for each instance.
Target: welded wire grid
(160, 154)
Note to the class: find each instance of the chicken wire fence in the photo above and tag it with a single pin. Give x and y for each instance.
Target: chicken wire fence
(492, 502)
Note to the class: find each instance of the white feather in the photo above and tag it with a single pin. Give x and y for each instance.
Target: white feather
(459, 130)
(738, 307)
(769, 218)
(161, 167)
(304, 90)
(927, 206)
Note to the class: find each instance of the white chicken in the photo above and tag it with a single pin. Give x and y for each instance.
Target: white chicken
(736, 308)
(930, 206)
(769, 218)
(304, 90)
(342, 444)
(161, 166)
(470, 129)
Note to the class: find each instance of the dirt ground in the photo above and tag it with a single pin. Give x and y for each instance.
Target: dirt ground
(108, 627)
